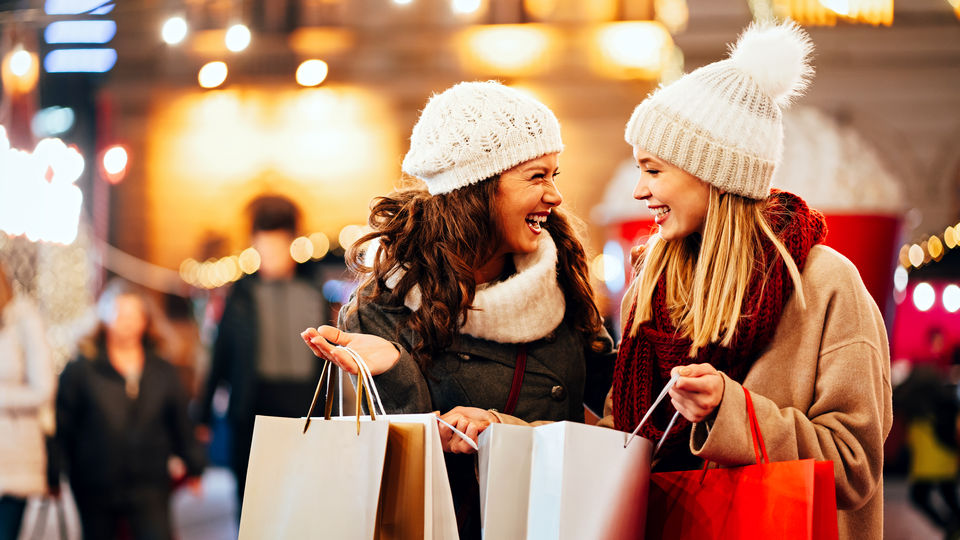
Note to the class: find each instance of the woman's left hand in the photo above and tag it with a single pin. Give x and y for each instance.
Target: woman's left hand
(471, 421)
(698, 391)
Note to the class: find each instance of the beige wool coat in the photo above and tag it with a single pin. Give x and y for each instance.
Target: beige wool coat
(821, 390)
(27, 384)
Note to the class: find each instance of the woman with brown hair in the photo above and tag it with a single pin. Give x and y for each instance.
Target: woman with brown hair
(121, 415)
(478, 300)
(27, 385)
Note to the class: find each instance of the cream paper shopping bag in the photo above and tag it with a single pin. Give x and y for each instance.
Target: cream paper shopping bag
(439, 517)
(324, 483)
(506, 450)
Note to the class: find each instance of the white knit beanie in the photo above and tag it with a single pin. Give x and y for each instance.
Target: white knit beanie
(722, 122)
(476, 130)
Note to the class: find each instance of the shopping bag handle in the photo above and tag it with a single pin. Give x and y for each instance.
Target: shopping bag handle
(759, 448)
(661, 397)
(365, 387)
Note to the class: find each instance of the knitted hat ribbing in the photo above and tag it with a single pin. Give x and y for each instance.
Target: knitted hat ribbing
(476, 130)
(722, 122)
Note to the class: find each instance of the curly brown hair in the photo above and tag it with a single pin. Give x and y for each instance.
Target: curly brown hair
(439, 240)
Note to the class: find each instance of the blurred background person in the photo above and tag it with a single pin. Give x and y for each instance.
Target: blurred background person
(926, 401)
(258, 350)
(121, 415)
(26, 390)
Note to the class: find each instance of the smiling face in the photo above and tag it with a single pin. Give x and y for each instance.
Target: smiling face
(525, 196)
(677, 199)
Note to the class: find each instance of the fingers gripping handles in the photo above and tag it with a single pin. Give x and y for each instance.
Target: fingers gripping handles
(759, 447)
(661, 397)
(365, 388)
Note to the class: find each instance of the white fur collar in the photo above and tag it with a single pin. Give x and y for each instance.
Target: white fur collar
(525, 307)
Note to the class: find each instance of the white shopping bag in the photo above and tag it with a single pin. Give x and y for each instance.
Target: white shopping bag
(584, 483)
(507, 450)
(563, 481)
(322, 483)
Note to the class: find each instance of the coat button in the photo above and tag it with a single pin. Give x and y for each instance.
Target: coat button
(463, 356)
(558, 393)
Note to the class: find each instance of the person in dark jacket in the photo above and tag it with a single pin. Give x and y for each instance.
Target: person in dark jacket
(121, 415)
(257, 351)
(478, 303)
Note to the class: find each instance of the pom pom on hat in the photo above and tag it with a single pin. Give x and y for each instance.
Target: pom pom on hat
(777, 58)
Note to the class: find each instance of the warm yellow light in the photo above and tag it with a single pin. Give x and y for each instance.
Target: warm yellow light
(249, 260)
(115, 160)
(826, 12)
(904, 256)
(321, 245)
(20, 70)
(301, 249)
(212, 74)
(189, 271)
(312, 72)
(465, 7)
(674, 14)
(237, 37)
(540, 9)
(174, 30)
(840, 7)
(916, 255)
(20, 62)
(350, 234)
(935, 248)
(506, 49)
(632, 50)
(950, 235)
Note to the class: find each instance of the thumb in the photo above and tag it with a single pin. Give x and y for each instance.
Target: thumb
(697, 370)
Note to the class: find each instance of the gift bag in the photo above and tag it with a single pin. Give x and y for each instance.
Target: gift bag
(784, 500)
(507, 450)
(376, 476)
(586, 482)
(581, 482)
(322, 483)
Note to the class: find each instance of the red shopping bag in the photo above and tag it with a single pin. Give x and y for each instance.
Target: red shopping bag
(784, 499)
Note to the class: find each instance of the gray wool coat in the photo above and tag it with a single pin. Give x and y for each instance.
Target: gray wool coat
(476, 372)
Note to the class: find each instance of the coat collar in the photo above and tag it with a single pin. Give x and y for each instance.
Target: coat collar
(524, 307)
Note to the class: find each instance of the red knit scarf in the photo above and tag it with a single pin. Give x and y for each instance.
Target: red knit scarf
(645, 360)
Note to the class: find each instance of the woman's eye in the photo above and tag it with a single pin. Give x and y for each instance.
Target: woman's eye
(652, 172)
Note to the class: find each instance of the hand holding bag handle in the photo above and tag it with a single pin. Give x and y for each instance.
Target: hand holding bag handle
(364, 386)
(663, 394)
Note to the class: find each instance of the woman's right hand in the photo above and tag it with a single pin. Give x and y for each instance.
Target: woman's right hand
(379, 354)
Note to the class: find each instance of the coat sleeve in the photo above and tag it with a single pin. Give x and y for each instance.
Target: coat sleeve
(403, 388)
(850, 413)
(37, 388)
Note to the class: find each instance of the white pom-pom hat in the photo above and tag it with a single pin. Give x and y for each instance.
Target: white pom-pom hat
(722, 123)
(476, 130)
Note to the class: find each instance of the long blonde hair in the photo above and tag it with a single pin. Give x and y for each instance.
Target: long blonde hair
(707, 278)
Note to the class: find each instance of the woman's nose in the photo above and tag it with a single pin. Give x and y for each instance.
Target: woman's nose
(642, 190)
(552, 195)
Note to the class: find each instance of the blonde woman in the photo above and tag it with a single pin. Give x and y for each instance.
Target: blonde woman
(736, 289)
